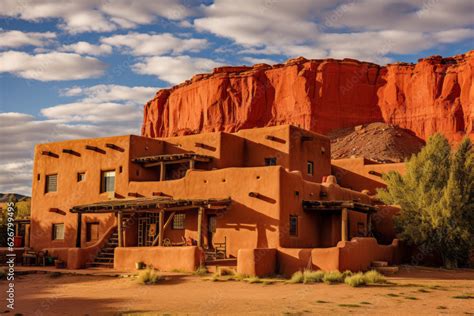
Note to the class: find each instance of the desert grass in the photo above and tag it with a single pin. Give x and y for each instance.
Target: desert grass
(333, 277)
(149, 277)
(464, 297)
(374, 277)
(310, 276)
(356, 280)
(297, 277)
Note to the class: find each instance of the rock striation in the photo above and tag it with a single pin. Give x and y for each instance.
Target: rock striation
(434, 95)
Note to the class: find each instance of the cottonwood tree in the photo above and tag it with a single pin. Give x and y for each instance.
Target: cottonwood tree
(436, 197)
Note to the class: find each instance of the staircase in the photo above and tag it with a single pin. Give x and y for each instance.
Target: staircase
(383, 267)
(105, 257)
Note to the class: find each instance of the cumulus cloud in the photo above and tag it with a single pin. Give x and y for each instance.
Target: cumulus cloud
(363, 29)
(20, 132)
(142, 44)
(174, 69)
(50, 66)
(96, 15)
(15, 39)
(85, 48)
(108, 93)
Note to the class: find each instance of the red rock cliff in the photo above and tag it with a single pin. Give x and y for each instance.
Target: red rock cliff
(436, 94)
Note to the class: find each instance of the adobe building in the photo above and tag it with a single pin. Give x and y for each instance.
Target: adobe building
(261, 199)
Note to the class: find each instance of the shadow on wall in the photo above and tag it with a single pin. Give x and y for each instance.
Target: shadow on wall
(355, 181)
(253, 222)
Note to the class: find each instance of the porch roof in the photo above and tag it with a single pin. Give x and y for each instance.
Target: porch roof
(150, 205)
(171, 158)
(329, 206)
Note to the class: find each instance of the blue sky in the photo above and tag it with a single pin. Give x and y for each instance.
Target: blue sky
(71, 69)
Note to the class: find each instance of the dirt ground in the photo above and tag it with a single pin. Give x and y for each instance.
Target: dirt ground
(415, 291)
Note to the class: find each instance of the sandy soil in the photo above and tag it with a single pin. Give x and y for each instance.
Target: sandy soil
(415, 292)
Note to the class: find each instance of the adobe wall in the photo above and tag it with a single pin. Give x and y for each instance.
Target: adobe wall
(359, 174)
(250, 222)
(257, 262)
(162, 258)
(354, 255)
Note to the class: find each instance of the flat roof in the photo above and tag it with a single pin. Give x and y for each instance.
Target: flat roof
(150, 205)
(316, 205)
(171, 157)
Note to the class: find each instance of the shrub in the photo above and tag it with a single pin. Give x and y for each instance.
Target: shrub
(240, 277)
(297, 277)
(254, 279)
(202, 270)
(346, 274)
(373, 277)
(225, 271)
(356, 280)
(333, 277)
(148, 276)
(310, 276)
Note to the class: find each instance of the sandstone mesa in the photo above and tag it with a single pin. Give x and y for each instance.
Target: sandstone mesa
(434, 95)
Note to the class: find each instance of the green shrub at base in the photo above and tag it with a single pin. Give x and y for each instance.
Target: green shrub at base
(310, 276)
(374, 277)
(148, 277)
(333, 277)
(356, 280)
(297, 277)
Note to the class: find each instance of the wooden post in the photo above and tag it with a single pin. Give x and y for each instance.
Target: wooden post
(162, 171)
(119, 228)
(344, 224)
(161, 228)
(200, 215)
(79, 229)
(369, 224)
(27, 236)
(191, 164)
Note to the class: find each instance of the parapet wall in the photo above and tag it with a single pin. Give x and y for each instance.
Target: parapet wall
(161, 258)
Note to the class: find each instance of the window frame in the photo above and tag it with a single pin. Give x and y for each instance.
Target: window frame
(89, 231)
(270, 161)
(54, 236)
(180, 223)
(296, 231)
(103, 183)
(47, 180)
(310, 167)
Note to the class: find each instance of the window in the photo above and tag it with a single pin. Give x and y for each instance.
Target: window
(270, 161)
(178, 221)
(310, 167)
(58, 231)
(107, 181)
(92, 231)
(81, 176)
(51, 183)
(293, 225)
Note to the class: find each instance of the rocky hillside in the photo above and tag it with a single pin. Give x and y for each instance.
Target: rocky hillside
(5, 197)
(375, 141)
(436, 94)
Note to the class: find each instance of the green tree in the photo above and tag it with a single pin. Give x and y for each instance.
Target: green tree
(436, 197)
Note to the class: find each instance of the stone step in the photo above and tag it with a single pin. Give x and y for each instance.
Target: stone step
(379, 264)
(101, 264)
(101, 259)
(387, 270)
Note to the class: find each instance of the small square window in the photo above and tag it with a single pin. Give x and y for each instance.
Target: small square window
(178, 221)
(310, 168)
(81, 176)
(293, 225)
(92, 231)
(51, 184)
(58, 231)
(107, 181)
(270, 161)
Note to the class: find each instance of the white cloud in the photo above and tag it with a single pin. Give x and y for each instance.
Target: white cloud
(96, 15)
(363, 29)
(174, 69)
(253, 60)
(85, 48)
(50, 66)
(109, 93)
(142, 44)
(14, 39)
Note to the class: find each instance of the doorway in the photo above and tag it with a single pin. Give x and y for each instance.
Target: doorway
(211, 230)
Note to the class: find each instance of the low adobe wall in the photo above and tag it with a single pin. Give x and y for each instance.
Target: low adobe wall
(257, 262)
(161, 258)
(354, 255)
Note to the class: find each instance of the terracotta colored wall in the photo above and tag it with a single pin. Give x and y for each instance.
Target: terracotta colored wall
(161, 258)
(354, 255)
(353, 173)
(257, 262)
